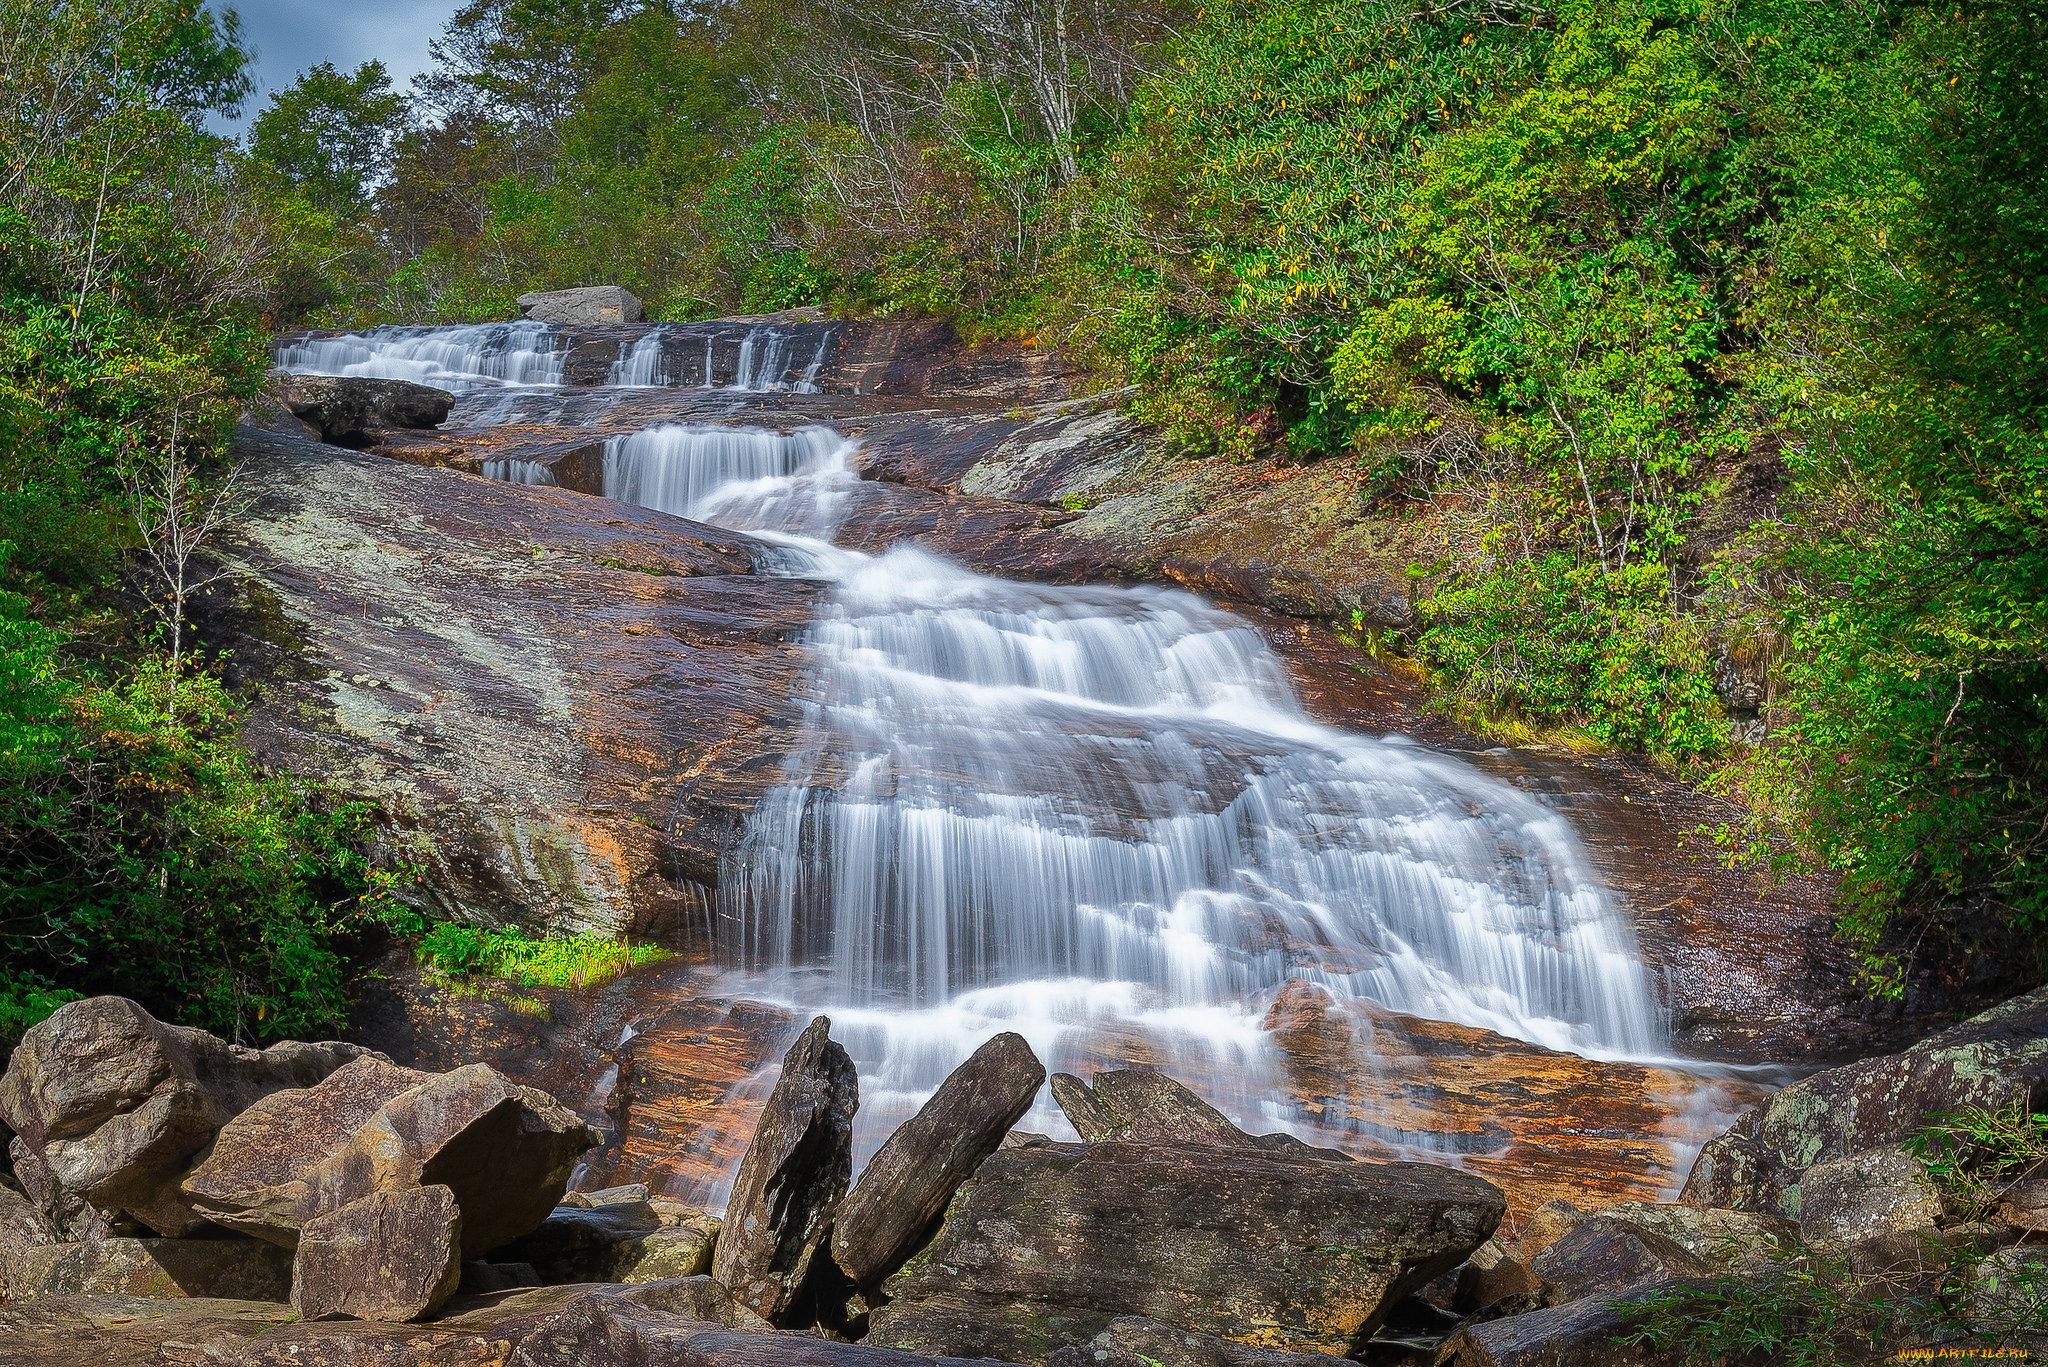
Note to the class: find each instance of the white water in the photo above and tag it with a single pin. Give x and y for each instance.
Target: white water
(451, 358)
(764, 360)
(518, 471)
(640, 367)
(1099, 817)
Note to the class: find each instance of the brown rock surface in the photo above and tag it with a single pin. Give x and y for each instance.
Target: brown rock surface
(393, 1255)
(549, 731)
(1579, 1334)
(1148, 1107)
(1603, 1257)
(1049, 1242)
(231, 1269)
(504, 1151)
(905, 1187)
(131, 1331)
(638, 1241)
(791, 1179)
(115, 1102)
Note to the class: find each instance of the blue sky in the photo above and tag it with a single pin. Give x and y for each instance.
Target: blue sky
(291, 35)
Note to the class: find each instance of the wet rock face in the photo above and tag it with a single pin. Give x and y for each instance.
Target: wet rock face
(588, 304)
(791, 1180)
(560, 708)
(357, 411)
(113, 1103)
(1760, 1163)
(908, 1182)
(1050, 1242)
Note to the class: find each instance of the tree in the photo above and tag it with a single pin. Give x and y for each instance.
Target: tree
(332, 135)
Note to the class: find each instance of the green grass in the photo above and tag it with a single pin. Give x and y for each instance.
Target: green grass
(574, 961)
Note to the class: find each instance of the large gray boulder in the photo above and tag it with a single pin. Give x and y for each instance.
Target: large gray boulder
(1584, 1333)
(1876, 1103)
(393, 1255)
(586, 304)
(791, 1180)
(1050, 1242)
(901, 1194)
(505, 1153)
(354, 410)
(114, 1103)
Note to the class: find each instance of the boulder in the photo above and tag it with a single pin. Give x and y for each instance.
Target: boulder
(1876, 1103)
(115, 1103)
(895, 1206)
(1582, 1333)
(1601, 1257)
(1050, 1242)
(505, 1152)
(586, 304)
(1551, 1221)
(1507, 1286)
(393, 1255)
(352, 410)
(610, 1196)
(22, 1229)
(480, 1278)
(166, 1269)
(1718, 1238)
(1851, 1200)
(1151, 1108)
(609, 1243)
(614, 1330)
(792, 1177)
(1133, 1341)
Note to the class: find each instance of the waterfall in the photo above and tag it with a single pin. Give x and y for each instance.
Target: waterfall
(451, 358)
(697, 472)
(808, 383)
(1100, 817)
(640, 368)
(764, 358)
(519, 471)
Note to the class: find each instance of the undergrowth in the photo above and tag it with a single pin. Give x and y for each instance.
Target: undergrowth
(459, 951)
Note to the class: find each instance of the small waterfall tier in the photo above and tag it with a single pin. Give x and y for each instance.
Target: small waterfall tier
(452, 358)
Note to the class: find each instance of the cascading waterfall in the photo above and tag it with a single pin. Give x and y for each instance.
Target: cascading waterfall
(1100, 817)
(807, 383)
(640, 367)
(764, 357)
(451, 358)
(518, 471)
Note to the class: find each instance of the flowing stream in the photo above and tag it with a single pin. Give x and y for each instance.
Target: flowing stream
(1099, 817)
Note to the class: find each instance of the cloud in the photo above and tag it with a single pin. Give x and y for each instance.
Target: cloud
(291, 35)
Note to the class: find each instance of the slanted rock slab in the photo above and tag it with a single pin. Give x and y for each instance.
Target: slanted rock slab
(168, 1269)
(1152, 1108)
(115, 1102)
(893, 1209)
(393, 1255)
(1050, 1242)
(792, 1178)
(1577, 1334)
(1602, 1257)
(131, 1331)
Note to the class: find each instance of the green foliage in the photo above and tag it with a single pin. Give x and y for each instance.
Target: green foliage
(1979, 1154)
(329, 134)
(573, 961)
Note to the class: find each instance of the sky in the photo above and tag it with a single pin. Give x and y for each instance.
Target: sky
(291, 35)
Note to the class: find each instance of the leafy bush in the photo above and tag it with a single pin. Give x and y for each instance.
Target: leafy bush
(573, 961)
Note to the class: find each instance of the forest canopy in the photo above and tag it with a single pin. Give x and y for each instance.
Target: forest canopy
(1701, 346)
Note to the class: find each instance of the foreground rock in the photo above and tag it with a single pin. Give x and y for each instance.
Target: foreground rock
(792, 1177)
(165, 1269)
(1763, 1159)
(1579, 1334)
(905, 1187)
(624, 1241)
(503, 1152)
(393, 1255)
(113, 1103)
(588, 304)
(1152, 1108)
(357, 411)
(1050, 1242)
(1133, 1341)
